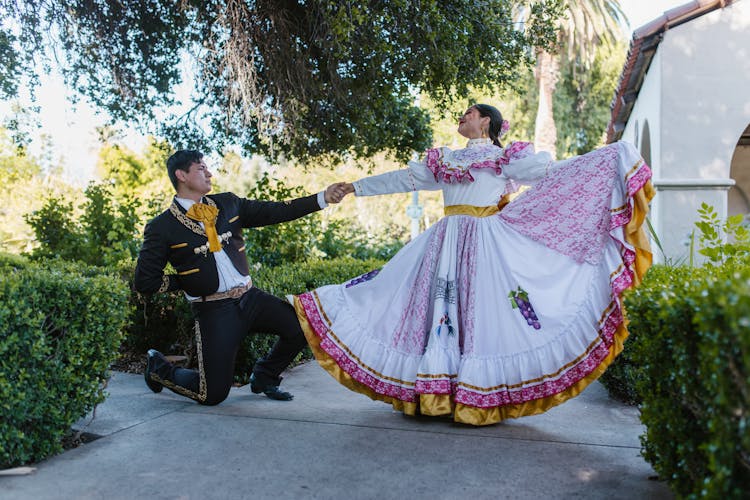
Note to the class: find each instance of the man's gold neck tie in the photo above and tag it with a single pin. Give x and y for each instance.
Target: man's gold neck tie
(207, 215)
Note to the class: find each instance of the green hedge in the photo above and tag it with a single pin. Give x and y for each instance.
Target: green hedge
(688, 363)
(644, 315)
(60, 327)
(12, 261)
(301, 277)
(162, 321)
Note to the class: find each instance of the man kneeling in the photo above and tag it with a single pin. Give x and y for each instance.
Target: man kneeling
(201, 237)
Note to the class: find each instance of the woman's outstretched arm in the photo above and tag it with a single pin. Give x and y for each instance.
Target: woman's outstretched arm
(416, 177)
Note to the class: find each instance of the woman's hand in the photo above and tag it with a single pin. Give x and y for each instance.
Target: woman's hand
(336, 192)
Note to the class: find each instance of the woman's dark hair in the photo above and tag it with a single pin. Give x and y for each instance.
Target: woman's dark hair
(181, 160)
(496, 121)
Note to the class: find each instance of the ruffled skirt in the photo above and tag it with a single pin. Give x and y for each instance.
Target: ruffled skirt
(487, 318)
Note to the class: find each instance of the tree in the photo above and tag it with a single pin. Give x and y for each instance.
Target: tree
(582, 99)
(27, 181)
(315, 78)
(10, 69)
(15, 162)
(106, 232)
(136, 175)
(584, 26)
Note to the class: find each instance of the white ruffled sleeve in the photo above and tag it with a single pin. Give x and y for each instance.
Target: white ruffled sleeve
(524, 165)
(416, 177)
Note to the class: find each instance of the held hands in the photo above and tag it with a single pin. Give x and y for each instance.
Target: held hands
(336, 192)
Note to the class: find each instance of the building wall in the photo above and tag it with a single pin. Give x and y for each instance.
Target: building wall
(705, 71)
(647, 109)
(702, 69)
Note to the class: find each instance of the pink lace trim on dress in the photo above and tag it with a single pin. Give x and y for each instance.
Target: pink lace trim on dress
(548, 388)
(466, 277)
(476, 158)
(516, 151)
(569, 209)
(442, 386)
(414, 315)
(344, 360)
(462, 395)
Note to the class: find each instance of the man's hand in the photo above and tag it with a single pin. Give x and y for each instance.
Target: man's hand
(336, 192)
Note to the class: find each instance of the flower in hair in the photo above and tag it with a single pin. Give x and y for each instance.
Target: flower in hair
(504, 126)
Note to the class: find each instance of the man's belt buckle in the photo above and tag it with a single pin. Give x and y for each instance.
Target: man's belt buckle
(232, 293)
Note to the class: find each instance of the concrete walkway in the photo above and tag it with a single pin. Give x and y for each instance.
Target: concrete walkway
(330, 443)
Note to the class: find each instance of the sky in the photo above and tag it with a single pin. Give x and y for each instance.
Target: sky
(640, 12)
(72, 127)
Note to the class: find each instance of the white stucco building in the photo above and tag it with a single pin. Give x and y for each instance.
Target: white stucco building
(684, 101)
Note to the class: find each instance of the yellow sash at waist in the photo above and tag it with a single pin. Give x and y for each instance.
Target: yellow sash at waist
(471, 210)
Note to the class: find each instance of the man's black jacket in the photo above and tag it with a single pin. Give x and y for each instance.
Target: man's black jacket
(173, 237)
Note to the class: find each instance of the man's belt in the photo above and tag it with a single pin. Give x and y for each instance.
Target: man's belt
(232, 293)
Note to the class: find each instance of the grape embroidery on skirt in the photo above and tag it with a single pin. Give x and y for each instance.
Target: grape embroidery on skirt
(519, 299)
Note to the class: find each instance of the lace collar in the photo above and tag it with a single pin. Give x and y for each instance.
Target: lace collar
(455, 166)
(479, 141)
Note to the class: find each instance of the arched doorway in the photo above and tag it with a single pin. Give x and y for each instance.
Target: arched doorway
(738, 198)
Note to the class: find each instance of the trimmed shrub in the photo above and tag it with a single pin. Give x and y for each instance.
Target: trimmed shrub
(689, 358)
(643, 312)
(300, 277)
(12, 260)
(59, 333)
(723, 325)
(162, 321)
(688, 364)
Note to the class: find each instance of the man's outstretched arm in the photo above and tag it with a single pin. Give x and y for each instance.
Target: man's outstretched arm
(256, 213)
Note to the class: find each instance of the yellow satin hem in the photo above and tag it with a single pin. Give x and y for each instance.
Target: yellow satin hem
(330, 365)
(436, 405)
(636, 235)
(443, 404)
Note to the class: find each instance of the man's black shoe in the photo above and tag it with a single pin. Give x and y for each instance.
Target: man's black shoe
(153, 356)
(272, 391)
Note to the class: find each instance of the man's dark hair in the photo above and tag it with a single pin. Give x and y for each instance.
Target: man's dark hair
(181, 160)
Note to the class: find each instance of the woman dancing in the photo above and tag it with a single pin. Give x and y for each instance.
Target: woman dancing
(496, 311)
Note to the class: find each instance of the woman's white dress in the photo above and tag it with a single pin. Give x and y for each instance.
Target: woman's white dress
(492, 314)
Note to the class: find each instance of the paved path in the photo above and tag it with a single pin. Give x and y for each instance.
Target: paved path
(330, 443)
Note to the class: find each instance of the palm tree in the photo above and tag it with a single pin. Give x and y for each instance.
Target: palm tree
(585, 24)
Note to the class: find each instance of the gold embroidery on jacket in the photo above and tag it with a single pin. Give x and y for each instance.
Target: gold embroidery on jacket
(234, 218)
(189, 271)
(164, 284)
(186, 221)
(178, 245)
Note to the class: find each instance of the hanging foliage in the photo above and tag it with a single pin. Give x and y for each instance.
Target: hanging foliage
(307, 78)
